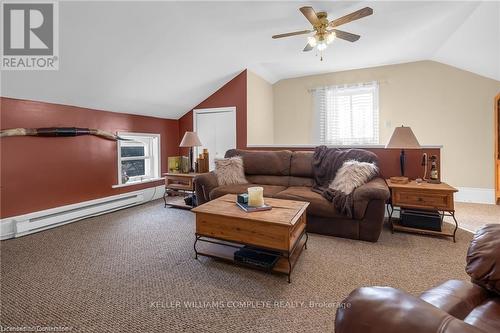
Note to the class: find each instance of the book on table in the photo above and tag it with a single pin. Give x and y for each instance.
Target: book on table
(250, 209)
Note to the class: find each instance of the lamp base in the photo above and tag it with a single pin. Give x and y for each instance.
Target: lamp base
(402, 162)
(191, 170)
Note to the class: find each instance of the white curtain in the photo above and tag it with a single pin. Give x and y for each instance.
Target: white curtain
(346, 115)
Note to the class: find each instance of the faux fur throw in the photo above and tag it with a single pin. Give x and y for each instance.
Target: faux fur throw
(326, 163)
(352, 174)
(230, 171)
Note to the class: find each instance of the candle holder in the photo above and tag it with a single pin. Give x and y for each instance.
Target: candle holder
(256, 196)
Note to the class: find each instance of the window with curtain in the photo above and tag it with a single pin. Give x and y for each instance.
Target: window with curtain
(346, 115)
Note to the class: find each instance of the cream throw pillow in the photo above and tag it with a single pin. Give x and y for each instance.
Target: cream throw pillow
(230, 171)
(352, 174)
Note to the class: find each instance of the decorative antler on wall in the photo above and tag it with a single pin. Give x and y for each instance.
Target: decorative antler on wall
(59, 131)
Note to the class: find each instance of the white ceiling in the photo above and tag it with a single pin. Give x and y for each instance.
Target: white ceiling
(163, 58)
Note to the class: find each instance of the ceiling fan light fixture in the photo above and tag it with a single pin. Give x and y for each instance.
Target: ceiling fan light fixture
(330, 38)
(322, 46)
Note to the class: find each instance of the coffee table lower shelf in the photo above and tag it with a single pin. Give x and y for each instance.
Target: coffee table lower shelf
(224, 250)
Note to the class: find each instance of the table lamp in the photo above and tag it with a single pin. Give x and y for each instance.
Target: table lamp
(190, 140)
(403, 138)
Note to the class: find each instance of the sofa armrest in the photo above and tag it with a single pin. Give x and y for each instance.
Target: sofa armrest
(389, 310)
(483, 259)
(375, 189)
(456, 297)
(203, 185)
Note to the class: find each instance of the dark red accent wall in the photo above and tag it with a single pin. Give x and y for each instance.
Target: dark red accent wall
(233, 93)
(40, 173)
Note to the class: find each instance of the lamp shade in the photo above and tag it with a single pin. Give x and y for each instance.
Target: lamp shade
(403, 138)
(190, 139)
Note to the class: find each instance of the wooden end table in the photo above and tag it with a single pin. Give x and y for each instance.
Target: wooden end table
(425, 196)
(180, 185)
(222, 228)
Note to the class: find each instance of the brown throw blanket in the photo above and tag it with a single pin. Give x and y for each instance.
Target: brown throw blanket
(326, 162)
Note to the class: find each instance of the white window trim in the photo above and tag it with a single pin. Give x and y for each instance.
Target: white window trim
(140, 180)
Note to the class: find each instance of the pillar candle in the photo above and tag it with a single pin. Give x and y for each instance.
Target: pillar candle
(256, 196)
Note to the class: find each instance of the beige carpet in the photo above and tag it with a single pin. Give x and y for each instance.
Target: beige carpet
(120, 272)
(472, 216)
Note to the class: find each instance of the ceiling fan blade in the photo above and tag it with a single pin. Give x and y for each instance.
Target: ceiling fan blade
(346, 35)
(308, 48)
(288, 34)
(351, 17)
(310, 15)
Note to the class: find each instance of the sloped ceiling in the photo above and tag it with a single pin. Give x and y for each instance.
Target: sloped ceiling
(163, 58)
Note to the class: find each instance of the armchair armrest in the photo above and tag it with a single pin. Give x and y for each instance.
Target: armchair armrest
(389, 310)
(203, 185)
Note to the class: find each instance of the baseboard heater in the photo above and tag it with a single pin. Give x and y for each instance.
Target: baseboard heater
(72, 213)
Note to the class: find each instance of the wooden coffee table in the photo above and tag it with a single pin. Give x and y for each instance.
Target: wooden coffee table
(222, 228)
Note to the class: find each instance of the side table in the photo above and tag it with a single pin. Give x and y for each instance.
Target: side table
(425, 196)
(179, 185)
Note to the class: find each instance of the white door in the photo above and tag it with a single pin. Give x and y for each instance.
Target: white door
(216, 129)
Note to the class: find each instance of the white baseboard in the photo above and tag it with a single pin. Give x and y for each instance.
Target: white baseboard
(37, 221)
(475, 195)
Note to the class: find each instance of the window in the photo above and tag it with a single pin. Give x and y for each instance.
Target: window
(346, 115)
(138, 157)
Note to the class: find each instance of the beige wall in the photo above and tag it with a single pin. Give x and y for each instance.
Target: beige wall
(260, 115)
(442, 104)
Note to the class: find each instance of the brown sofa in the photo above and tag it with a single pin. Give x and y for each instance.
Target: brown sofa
(288, 175)
(452, 307)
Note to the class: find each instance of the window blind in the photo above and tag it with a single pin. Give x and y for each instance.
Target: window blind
(346, 115)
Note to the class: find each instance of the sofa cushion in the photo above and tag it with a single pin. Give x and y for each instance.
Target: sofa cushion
(319, 206)
(301, 164)
(300, 181)
(486, 316)
(268, 180)
(276, 163)
(269, 190)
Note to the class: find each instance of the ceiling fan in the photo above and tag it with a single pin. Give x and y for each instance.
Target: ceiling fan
(324, 32)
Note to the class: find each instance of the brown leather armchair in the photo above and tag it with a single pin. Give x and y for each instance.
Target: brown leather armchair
(452, 307)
